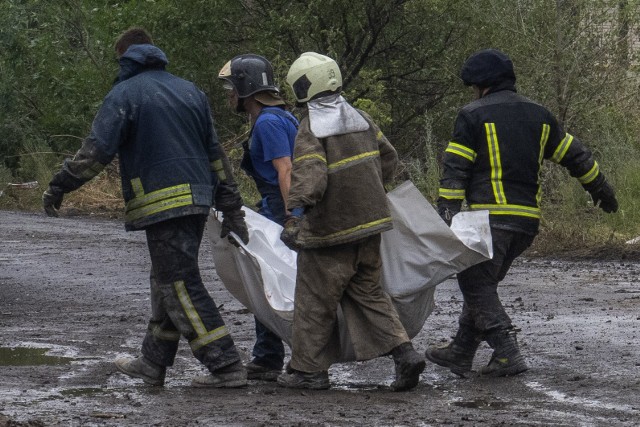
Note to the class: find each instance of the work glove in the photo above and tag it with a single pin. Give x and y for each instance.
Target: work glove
(606, 197)
(290, 232)
(234, 221)
(52, 200)
(447, 209)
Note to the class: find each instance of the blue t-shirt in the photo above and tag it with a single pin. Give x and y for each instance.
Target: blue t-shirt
(272, 137)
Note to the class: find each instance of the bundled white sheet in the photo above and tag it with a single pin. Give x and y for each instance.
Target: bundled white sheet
(419, 253)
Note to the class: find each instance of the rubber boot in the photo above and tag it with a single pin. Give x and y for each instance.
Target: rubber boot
(458, 354)
(143, 368)
(506, 359)
(409, 365)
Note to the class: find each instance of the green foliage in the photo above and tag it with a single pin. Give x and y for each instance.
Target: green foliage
(400, 61)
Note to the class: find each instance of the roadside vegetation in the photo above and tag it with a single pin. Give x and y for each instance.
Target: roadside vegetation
(400, 60)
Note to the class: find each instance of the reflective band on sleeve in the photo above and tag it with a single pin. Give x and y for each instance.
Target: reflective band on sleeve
(591, 175)
(310, 157)
(379, 135)
(461, 150)
(451, 193)
(496, 163)
(564, 145)
(217, 167)
(504, 209)
(349, 161)
(350, 230)
(544, 138)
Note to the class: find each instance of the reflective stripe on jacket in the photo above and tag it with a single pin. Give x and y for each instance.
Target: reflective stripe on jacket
(495, 158)
(339, 180)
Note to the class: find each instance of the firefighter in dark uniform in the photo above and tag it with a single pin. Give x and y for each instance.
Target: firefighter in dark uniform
(173, 170)
(499, 143)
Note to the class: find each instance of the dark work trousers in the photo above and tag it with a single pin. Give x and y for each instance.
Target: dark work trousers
(180, 304)
(482, 311)
(269, 349)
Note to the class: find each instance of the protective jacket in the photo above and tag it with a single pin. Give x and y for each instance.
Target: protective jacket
(326, 181)
(495, 157)
(171, 163)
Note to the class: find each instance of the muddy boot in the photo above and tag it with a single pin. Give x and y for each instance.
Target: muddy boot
(458, 354)
(309, 380)
(231, 376)
(259, 372)
(506, 359)
(143, 368)
(409, 365)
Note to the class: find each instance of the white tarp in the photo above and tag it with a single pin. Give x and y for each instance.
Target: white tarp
(419, 253)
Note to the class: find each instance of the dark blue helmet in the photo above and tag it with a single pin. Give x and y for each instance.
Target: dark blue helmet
(486, 68)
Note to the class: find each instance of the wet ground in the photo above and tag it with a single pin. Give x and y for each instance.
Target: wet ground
(74, 296)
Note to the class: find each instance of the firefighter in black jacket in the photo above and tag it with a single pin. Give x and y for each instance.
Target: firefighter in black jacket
(499, 143)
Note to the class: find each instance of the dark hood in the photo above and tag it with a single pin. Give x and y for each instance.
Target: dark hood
(140, 57)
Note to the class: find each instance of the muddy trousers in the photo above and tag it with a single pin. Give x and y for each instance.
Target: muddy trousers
(180, 304)
(345, 276)
(482, 311)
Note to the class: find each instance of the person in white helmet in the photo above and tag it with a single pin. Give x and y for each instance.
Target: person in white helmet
(341, 163)
(249, 81)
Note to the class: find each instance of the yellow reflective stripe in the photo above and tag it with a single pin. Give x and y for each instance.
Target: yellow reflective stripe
(451, 193)
(354, 159)
(351, 230)
(310, 157)
(564, 145)
(158, 195)
(379, 135)
(496, 163)
(189, 308)
(217, 167)
(591, 175)
(544, 138)
(505, 209)
(165, 335)
(157, 207)
(209, 337)
(136, 185)
(204, 336)
(461, 150)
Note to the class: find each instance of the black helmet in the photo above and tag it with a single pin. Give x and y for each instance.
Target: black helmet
(487, 68)
(249, 74)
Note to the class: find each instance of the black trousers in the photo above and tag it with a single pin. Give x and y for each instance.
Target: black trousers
(180, 304)
(482, 311)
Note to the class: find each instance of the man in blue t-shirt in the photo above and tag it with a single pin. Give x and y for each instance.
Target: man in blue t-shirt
(267, 159)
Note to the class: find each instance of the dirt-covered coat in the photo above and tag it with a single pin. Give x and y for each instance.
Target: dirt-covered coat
(340, 206)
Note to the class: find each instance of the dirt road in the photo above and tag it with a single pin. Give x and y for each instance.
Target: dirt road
(74, 296)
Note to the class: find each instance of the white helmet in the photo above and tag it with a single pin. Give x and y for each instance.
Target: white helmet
(313, 74)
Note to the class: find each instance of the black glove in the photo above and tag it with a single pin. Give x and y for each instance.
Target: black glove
(606, 196)
(290, 232)
(447, 209)
(234, 221)
(52, 200)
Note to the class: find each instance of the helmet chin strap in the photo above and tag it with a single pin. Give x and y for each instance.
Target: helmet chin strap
(240, 106)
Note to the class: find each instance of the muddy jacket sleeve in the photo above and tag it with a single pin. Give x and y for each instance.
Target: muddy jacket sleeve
(566, 150)
(226, 194)
(309, 173)
(388, 154)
